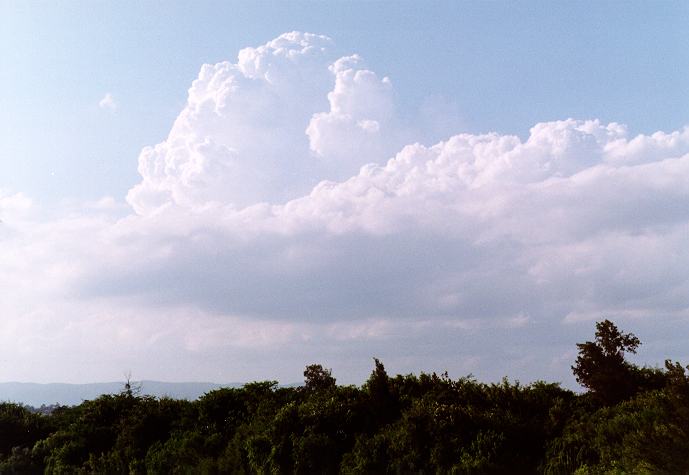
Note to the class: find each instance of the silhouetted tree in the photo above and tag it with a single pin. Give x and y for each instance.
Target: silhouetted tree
(601, 367)
(383, 402)
(317, 378)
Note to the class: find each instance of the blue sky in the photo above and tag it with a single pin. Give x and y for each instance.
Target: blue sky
(470, 192)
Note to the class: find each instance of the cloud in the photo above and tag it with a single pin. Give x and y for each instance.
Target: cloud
(475, 233)
(268, 128)
(283, 221)
(357, 128)
(108, 102)
(13, 204)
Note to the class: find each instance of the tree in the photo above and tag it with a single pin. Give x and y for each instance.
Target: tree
(601, 366)
(317, 378)
(382, 401)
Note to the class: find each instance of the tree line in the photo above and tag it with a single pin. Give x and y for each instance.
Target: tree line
(630, 420)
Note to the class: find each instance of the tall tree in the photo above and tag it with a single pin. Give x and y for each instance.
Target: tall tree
(601, 366)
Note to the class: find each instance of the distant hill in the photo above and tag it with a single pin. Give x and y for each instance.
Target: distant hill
(36, 394)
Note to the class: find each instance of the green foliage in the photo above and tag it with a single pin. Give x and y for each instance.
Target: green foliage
(19, 427)
(632, 420)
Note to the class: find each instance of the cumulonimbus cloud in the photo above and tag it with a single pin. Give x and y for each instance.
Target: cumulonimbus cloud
(282, 197)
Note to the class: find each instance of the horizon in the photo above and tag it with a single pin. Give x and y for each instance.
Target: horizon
(233, 192)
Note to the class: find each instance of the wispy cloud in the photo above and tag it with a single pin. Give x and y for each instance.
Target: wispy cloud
(108, 102)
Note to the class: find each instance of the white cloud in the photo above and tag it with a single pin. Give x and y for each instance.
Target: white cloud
(240, 139)
(108, 102)
(257, 130)
(357, 128)
(255, 226)
(14, 204)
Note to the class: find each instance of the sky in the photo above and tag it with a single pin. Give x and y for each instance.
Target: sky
(229, 191)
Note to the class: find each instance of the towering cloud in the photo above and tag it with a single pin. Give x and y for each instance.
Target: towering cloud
(255, 130)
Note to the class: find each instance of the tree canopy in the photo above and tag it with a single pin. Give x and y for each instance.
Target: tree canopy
(601, 366)
(630, 420)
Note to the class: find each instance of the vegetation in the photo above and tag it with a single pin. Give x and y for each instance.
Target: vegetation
(631, 420)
